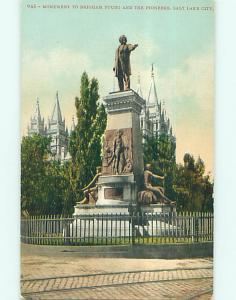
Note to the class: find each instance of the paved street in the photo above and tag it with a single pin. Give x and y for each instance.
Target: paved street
(63, 275)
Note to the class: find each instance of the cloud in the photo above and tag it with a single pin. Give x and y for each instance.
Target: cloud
(193, 80)
(189, 93)
(40, 70)
(44, 74)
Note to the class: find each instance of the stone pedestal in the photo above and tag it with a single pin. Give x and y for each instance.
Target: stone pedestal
(157, 208)
(159, 220)
(95, 210)
(122, 164)
(121, 220)
(116, 189)
(116, 213)
(101, 221)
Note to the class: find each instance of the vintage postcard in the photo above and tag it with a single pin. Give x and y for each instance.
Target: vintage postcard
(117, 171)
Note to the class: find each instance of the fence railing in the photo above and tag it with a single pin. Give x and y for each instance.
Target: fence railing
(108, 229)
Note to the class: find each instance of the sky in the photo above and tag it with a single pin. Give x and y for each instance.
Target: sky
(58, 44)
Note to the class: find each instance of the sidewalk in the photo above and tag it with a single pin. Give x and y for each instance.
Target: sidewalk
(138, 278)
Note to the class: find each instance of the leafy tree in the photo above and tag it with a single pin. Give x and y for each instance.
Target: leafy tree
(193, 189)
(150, 154)
(34, 152)
(68, 195)
(184, 183)
(85, 140)
(45, 184)
(160, 153)
(57, 188)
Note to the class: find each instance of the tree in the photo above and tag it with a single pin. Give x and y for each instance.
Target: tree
(49, 187)
(85, 141)
(184, 183)
(45, 183)
(193, 189)
(160, 153)
(34, 152)
(58, 196)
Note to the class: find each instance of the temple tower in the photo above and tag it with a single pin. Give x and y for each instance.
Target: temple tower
(58, 132)
(36, 125)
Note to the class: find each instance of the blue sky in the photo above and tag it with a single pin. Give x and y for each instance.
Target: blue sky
(59, 44)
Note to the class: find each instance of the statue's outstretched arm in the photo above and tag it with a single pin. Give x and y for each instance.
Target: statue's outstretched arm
(92, 182)
(158, 177)
(132, 47)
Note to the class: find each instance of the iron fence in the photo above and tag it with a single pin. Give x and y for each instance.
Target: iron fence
(108, 229)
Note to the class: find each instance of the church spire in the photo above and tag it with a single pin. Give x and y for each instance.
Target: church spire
(37, 114)
(57, 131)
(152, 94)
(73, 124)
(139, 90)
(56, 114)
(36, 122)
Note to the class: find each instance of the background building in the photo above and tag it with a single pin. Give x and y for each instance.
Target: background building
(153, 122)
(56, 130)
(153, 119)
(36, 122)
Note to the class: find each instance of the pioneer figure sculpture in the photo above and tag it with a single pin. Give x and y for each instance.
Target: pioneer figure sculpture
(118, 156)
(91, 190)
(122, 66)
(158, 191)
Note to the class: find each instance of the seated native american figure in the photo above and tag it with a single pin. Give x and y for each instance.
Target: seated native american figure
(91, 190)
(152, 194)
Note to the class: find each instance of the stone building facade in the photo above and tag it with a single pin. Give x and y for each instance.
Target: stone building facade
(37, 122)
(56, 129)
(153, 119)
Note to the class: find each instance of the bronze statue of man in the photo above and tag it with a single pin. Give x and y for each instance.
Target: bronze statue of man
(157, 190)
(122, 67)
(118, 156)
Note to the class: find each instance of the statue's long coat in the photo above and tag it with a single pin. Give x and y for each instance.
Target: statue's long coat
(122, 60)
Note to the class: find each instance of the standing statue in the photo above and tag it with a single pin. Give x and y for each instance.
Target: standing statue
(158, 191)
(122, 67)
(91, 190)
(118, 156)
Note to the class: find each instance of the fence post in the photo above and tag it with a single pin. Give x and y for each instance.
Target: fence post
(133, 227)
(65, 231)
(197, 226)
(191, 216)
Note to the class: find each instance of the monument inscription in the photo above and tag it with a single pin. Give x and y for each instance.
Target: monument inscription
(113, 193)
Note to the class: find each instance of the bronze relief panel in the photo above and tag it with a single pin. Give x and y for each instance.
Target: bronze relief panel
(117, 152)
